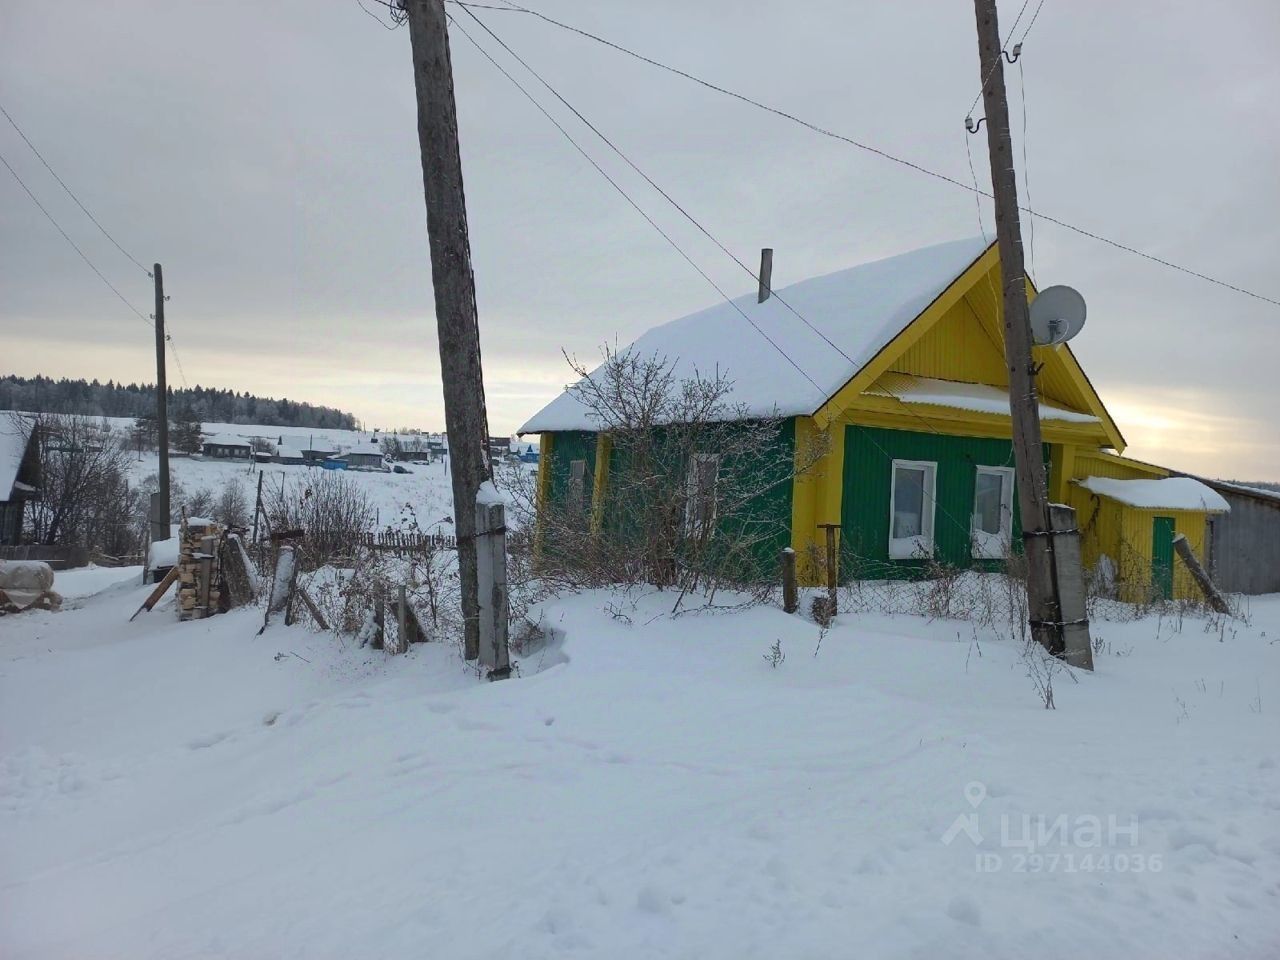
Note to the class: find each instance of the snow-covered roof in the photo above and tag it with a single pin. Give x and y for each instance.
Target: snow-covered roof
(226, 440)
(859, 309)
(13, 445)
(1232, 486)
(1167, 493)
(289, 451)
(977, 397)
(366, 445)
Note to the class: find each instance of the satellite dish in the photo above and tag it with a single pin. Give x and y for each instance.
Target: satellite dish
(1057, 315)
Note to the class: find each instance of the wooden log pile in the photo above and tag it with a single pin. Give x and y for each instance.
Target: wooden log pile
(199, 569)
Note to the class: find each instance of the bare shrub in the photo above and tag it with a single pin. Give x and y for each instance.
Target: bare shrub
(85, 497)
(231, 509)
(687, 504)
(332, 510)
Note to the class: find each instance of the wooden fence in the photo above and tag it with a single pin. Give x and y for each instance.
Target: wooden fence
(389, 541)
(56, 555)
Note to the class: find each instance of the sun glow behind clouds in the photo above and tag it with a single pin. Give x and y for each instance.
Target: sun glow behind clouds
(1191, 430)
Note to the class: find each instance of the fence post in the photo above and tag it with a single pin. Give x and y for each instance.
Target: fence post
(1211, 594)
(832, 570)
(402, 623)
(790, 592)
(491, 572)
(379, 621)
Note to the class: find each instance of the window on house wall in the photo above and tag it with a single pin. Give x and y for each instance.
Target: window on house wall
(576, 497)
(911, 509)
(700, 507)
(992, 526)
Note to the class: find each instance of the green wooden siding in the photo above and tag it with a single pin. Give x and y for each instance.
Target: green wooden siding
(868, 467)
(1162, 556)
(566, 447)
(766, 519)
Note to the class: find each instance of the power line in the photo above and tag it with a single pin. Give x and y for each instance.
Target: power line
(901, 161)
(1033, 20)
(173, 348)
(62, 183)
(1008, 37)
(687, 215)
(27, 140)
(884, 387)
(796, 313)
(653, 223)
(65, 236)
(1026, 165)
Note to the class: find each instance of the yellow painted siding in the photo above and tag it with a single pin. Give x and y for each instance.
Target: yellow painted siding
(1097, 463)
(957, 347)
(542, 492)
(818, 466)
(604, 446)
(1124, 533)
(1062, 461)
(893, 414)
(960, 337)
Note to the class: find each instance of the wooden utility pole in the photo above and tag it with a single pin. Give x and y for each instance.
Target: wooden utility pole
(160, 520)
(459, 332)
(1024, 409)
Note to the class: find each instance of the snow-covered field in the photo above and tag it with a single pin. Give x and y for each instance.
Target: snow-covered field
(648, 787)
(427, 488)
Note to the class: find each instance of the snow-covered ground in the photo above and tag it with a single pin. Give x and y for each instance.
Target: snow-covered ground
(648, 787)
(427, 489)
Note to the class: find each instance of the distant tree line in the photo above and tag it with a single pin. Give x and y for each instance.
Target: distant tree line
(207, 404)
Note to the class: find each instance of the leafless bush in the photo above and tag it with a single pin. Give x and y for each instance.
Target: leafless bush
(85, 497)
(232, 506)
(332, 510)
(690, 477)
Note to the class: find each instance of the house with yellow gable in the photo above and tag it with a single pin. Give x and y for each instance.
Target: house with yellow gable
(889, 386)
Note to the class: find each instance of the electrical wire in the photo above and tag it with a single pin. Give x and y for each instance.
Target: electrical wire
(97, 223)
(1026, 170)
(173, 348)
(1034, 16)
(901, 161)
(667, 196)
(824, 394)
(977, 193)
(653, 223)
(1004, 46)
(140, 315)
(62, 183)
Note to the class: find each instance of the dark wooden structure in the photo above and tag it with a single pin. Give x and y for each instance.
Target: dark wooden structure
(19, 476)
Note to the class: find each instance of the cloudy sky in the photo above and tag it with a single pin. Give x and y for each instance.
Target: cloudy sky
(266, 154)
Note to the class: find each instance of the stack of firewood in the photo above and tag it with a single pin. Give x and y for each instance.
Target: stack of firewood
(199, 571)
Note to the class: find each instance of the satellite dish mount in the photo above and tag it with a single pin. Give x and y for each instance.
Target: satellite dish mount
(1057, 314)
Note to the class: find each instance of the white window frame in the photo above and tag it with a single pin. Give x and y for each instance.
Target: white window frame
(993, 546)
(921, 545)
(693, 524)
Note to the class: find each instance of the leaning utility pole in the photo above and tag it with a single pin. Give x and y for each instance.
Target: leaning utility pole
(160, 515)
(459, 332)
(1024, 410)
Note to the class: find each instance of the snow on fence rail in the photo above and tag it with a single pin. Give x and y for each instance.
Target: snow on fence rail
(58, 556)
(392, 541)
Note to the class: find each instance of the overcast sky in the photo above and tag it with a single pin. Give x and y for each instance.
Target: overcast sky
(266, 154)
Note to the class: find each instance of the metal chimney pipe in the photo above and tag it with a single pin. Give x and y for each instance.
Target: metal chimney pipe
(766, 274)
